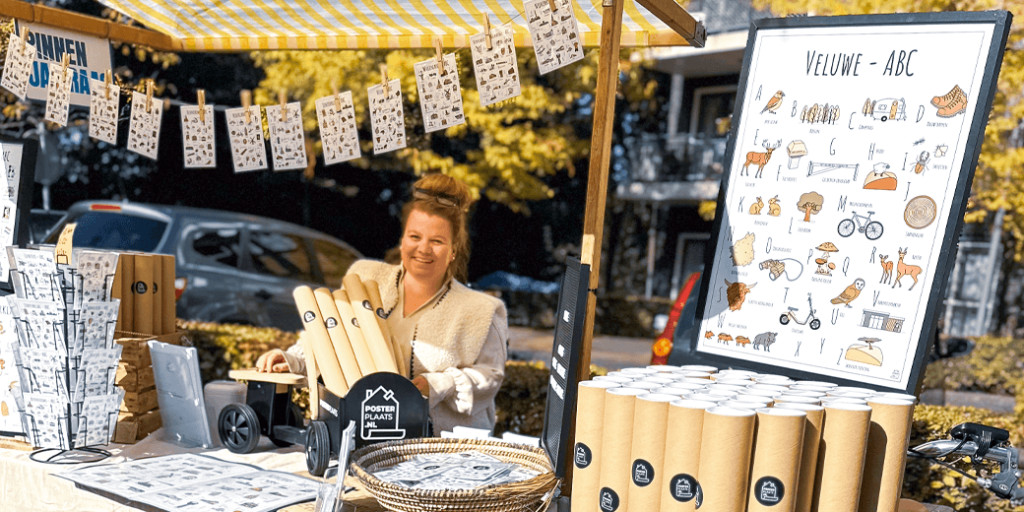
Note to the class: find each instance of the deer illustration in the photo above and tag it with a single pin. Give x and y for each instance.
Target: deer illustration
(886, 269)
(773, 207)
(761, 159)
(906, 270)
(755, 209)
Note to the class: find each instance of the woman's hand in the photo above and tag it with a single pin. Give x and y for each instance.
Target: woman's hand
(422, 385)
(272, 362)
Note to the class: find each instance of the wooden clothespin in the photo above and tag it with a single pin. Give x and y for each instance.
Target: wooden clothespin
(487, 31)
(440, 55)
(246, 103)
(65, 62)
(24, 38)
(201, 96)
(106, 81)
(551, 3)
(384, 79)
(282, 98)
(149, 96)
(337, 96)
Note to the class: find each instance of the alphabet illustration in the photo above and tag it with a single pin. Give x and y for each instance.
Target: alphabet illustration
(736, 293)
(810, 203)
(826, 114)
(724, 338)
(774, 103)
(922, 162)
(952, 103)
(824, 267)
(755, 208)
(881, 321)
(872, 229)
(777, 268)
(905, 270)
(866, 354)
(796, 150)
(764, 340)
(742, 341)
(760, 159)
(773, 207)
(708, 335)
(880, 178)
(850, 293)
(886, 109)
(743, 251)
(920, 212)
(886, 269)
(810, 320)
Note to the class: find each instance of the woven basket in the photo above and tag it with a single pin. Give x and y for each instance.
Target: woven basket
(525, 496)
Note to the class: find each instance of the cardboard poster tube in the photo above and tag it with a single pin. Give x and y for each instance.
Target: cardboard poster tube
(682, 455)
(809, 460)
(169, 308)
(402, 354)
(156, 289)
(118, 290)
(311, 375)
(778, 450)
(841, 454)
(380, 348)
(316, 333)
(889, 436)
(616, 445)
(587, 451)
(700, 368)
(355, 333)
(144, 275)
(727, 441)
(339, 338)
(647, 454)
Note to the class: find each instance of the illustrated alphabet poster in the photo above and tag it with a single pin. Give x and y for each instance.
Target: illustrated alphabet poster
(10, 417)
(848, 154)
(248, 150)
(387, 118)
(440, 94)
(18, 66)
(103, 109)
(144, 131)
(287, 145)
(197, 137)
(496, 69)
(338, 132)
(556, 36)
(12, 154)
(58, 95)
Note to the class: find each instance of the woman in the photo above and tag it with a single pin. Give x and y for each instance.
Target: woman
(456, 336)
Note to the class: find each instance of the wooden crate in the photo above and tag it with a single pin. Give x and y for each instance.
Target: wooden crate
(132, 378)
(135, 427)
(138, 402)
(136, 350)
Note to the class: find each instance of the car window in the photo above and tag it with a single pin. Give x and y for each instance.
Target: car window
(280, 255)
(221, 245)
(107, 230)
(334, 260)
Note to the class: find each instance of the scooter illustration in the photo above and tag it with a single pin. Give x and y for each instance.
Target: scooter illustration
(810, 320)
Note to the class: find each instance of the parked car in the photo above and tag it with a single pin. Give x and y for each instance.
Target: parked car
(230, 267)
(40, 222)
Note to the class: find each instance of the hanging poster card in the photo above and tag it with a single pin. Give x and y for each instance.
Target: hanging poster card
(861, 134)
(144, 131)
(248, 151)
(287, 142)
(58, 95)
(197, 137)
(556, 35)
(387, 118)
(103, 109)
(440, 94)
(338, 132)
(497, 69)
(18, 66)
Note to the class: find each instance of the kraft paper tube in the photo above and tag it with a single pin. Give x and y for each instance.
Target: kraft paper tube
(693, 374)
(587, 453)
(841, 400)
(682, 454)
(323, 349)
(691, 380)
(841, 454)
(643, 371)
(616, 445)
(311, 374)
(729, 387)
(663, 368)
(642, 384)
(659, 380)
(809, 460)
(852, 388)
(339, 338)
(759, 401)
(402, 354)
(778, 449)
(797, 399)
(169, 308)
(647, 454)
(887, 454)
(380, 348)
(898, 396)
(156, 289)
(617, 380)
(121, 289)
(746, 406)
(355, 333)
(804, 392)
(699, 368)
(725, 449)
(818, 383)
(144, 293)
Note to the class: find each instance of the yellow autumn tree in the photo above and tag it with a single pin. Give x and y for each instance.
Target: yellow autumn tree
(999, 179)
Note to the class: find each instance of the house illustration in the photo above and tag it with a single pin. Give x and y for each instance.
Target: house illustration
(606, 501)
(640, 474)
(769, 493)
(581, 456)
(683, 489)
(379, 418)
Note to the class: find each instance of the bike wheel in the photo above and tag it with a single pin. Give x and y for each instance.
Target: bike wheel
(873, 230)
(846, 227)
(815, 324)
(784, 319)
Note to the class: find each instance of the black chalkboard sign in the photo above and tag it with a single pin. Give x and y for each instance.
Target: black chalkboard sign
(385, 407)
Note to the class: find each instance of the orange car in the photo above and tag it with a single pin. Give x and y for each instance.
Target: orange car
(663, 345)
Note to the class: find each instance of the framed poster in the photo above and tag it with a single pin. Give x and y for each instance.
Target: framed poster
(854, 144)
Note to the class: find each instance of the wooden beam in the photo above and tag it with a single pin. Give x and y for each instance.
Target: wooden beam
(673, 15)
(88, 25)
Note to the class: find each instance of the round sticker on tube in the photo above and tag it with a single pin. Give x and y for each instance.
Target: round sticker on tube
(769, 491)
(609, 500)
(367, 305)
(141, 288)
(582, 456)
(685, 488)
(331, 323)
(309, 316)
(643, 473)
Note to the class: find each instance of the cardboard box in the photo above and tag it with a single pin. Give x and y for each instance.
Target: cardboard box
(133, 378)
(138, 402)
(136, 351)
(134, 427)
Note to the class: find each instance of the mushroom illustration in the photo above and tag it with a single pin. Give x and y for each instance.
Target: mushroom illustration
(824, 267)
(796, 149)
(810, 203)
(869, 341)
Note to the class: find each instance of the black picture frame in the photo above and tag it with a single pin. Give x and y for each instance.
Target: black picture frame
(687, 336)
(26, 190)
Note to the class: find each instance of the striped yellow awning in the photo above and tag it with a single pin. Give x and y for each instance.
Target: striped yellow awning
(239, 25)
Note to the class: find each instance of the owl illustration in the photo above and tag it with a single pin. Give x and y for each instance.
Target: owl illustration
(774, 103)
(850, 293)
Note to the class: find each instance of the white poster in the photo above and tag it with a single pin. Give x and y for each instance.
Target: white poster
(440, 94)
(496, 69)
(17, 66)
(103, 110)
(555, 34)
(339, 135)
(245, 132)
(198, 137)
(847, 157)
(89, 59)
(287, 142)
(387, 117)
(58, 95)
(144, 130)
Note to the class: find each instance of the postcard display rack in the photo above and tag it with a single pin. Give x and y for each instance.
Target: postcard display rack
(861, 133)
(64, 352)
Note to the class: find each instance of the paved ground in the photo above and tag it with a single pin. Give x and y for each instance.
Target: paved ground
(611, 352)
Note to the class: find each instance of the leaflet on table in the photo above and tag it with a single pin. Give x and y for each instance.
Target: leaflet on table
(35, 275)
(847, 157)
(190, 482)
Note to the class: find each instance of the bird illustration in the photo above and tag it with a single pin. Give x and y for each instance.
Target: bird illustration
(774, 104)
(850, 293)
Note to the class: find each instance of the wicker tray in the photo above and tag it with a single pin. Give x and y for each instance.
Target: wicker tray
(528, 495)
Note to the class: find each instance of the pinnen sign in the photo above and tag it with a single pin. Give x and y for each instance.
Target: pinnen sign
(89, 58)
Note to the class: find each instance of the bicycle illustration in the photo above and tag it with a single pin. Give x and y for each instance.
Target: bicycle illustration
(871, 228)
(811, 319)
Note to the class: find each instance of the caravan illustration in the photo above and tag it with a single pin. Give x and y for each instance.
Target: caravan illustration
(885, 109)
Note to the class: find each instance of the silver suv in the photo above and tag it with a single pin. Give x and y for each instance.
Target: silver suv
(231, 267)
